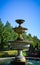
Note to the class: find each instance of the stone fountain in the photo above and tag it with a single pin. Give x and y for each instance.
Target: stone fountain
(20, 44)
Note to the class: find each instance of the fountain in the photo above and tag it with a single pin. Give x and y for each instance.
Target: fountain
(19, 44)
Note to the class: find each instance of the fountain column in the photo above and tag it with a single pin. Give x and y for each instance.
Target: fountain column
(20, 59)
(20, 56)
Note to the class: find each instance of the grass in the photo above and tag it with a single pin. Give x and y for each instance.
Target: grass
(24, 53)
(1, 53)
(10, 53)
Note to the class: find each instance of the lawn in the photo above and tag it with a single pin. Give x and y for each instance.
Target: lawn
(10, 53)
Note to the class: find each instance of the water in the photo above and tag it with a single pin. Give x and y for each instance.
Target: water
(29, 62)
(33, 62)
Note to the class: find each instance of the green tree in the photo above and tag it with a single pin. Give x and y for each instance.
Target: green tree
(24, 36)
(39, 44)
(8, 32)
(31, 48)
(29, 37)
(1, 35)
(35, 41)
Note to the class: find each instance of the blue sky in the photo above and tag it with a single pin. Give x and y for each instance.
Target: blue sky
(29, 10)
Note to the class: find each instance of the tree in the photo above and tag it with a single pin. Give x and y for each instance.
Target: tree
(1, 35)
(8, 32)
(35, 41)
(24, 36)
(39, 44)
(31, 48)
(29, 37)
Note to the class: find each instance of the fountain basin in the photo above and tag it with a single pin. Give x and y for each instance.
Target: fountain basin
(8, 60)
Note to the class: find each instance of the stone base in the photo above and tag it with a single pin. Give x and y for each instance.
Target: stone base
(19, 59)
(18, 63)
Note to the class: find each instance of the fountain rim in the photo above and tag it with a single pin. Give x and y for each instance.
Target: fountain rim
(20, 21)
(20, 41)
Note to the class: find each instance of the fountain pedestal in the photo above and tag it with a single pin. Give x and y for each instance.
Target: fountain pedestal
(19, 59)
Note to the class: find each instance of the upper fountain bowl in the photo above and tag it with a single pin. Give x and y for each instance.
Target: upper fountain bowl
(20, 21)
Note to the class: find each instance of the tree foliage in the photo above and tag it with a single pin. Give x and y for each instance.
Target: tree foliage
(1, 34)
(7, 33)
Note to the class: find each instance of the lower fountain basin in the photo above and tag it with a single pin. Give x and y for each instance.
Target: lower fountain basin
(7, 61)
